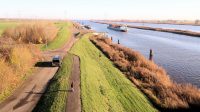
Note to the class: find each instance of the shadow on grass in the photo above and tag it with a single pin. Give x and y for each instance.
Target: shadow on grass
(32, 92)
(76, 34)
(43, 64)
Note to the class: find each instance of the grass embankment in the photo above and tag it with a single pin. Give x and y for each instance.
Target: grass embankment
(150, 78)
(62, 37)
(7, 24)
(54, 98)
(103, 87)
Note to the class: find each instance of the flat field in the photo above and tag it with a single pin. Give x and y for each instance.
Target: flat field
(7, 24)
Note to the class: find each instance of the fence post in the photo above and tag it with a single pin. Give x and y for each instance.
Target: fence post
(151, 55)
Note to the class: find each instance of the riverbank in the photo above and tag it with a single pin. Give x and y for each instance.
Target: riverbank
(103, 87)
(175, 31)
(150, 78)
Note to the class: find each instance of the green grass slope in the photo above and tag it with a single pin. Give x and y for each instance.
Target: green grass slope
(103, 87)
(63, 36)
(54, 100)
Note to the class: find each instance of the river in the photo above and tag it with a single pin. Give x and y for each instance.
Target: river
(178, 54)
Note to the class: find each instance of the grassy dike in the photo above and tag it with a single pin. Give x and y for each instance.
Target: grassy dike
(103, 87)
(63, 36)
(54, 99)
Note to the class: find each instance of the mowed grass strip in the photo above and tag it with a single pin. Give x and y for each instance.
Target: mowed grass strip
(103, 87)
(54, 99)
(63, 36)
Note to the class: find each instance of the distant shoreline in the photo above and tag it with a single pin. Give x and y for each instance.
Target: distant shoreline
(172, 22)
(175, 31)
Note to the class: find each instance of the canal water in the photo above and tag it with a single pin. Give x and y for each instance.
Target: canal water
(178, 54)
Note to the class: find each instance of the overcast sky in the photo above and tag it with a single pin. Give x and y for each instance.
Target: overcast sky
(101, 9)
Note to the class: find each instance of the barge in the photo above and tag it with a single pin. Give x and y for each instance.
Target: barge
(87, 27)
(121, 28)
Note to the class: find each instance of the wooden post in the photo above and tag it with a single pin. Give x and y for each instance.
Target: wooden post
(111, 38)
(99, 55)
(151, 55)
(118, 41)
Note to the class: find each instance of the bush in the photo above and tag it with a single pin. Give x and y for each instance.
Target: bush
(21, 58)
(17, 55)
(36, 33)
(6, 75)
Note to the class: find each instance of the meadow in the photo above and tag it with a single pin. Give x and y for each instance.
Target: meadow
(103, 87)
(7, 24)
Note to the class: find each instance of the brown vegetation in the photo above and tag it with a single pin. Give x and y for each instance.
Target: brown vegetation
(15, 61)
(149, 77)
(36, 33)
(18, 53)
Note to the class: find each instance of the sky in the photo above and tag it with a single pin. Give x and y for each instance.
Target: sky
(101, 9)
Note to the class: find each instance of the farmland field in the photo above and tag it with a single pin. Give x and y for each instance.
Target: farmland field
(7, 24)
(103, 87)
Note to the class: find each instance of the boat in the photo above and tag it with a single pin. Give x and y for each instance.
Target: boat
(121, 28)
(87, 27)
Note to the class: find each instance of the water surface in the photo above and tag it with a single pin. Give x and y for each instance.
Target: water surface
(178, 54)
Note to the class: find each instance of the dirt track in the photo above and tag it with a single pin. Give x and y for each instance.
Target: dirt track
(73, 99)
(26, 97)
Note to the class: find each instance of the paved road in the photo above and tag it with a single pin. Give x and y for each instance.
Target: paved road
(73, 98)
(26, 97)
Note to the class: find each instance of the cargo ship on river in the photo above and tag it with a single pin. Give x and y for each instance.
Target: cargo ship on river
(121, 28)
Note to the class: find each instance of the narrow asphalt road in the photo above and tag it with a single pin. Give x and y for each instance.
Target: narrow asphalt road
(25, 98)
(74, 98)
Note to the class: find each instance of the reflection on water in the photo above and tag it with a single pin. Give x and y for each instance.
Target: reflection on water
(178, 54)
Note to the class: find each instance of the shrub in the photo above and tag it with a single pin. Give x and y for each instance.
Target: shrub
(36, 33)
(5, 74)
(17, 55)
(21, 58)
(16, 61)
